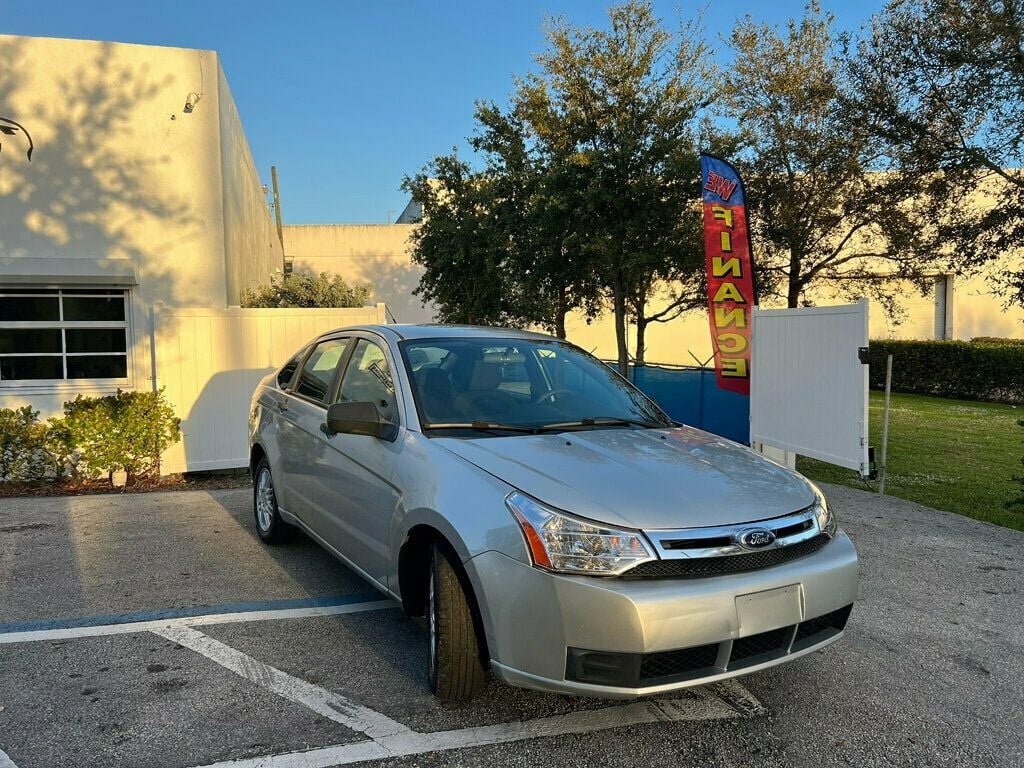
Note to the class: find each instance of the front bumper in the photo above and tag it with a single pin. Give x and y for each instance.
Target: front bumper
(541, 627)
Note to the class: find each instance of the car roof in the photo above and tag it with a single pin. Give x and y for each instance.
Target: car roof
(441, 331)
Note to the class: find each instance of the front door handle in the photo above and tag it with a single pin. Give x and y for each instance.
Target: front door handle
(282, 405)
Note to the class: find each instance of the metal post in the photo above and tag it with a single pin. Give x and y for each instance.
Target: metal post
(885, 426)
(277, 213)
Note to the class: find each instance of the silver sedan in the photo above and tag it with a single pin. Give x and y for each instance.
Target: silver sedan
(550, 520)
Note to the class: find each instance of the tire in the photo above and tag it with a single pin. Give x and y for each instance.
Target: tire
(269, 525)
(454, 671)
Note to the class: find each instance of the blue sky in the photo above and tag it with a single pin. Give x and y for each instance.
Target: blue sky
(348, 97)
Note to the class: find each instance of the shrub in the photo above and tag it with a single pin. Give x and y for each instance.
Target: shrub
(303, 290)
(29, 451)
(127, 431)
(997, 340)
(958, 369)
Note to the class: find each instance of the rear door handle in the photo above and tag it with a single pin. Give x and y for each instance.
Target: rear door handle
(282, 405)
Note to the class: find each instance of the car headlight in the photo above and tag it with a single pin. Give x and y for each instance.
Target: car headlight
(564, 544)
(827, 522)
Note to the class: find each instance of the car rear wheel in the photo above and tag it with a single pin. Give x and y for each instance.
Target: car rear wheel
(454, 671)
(269, 525)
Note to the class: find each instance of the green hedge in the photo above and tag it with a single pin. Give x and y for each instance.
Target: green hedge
(966, 370)
(96, 437)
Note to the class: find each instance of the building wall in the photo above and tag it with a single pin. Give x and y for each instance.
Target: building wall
(363, 253)
(251, 248)
(378, 254)
(976, 312)
(124, 188)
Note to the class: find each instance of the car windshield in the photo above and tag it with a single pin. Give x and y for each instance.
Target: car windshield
(520, 385)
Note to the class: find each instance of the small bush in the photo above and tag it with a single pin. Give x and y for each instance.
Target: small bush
(29, 451)
(127, 431)
(957, 369)
(303, 290)
(997, 340)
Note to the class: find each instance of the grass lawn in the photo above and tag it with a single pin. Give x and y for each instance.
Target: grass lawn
(955, 455)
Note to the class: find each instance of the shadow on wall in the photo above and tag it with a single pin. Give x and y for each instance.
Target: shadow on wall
(215, 433)
(80, 195)
(393, 282)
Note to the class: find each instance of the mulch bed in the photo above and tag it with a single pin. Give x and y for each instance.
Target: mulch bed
(193, 481)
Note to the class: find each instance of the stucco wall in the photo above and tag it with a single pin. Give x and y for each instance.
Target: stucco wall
(118, 170)
(124, 187)
(363, 253)
(378, 254)
(976, 312)
(251, 248)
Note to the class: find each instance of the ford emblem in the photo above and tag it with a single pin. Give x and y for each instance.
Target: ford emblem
(757, 538)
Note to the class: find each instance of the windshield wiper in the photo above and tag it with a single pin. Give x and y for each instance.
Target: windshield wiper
(482, 425)
(604, 421)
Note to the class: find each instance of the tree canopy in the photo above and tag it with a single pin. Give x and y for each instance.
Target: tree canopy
(941, 83)
(827, 209)
(867, 162)
(588, 193)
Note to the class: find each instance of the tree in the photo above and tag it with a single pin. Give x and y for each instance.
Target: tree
(825, 208)
(589, 187)
(302, 290)
(623, 106)
(460, 245)
(942, 83)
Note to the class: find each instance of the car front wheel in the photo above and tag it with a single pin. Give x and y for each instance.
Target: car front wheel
(269, 525)
(454, 670)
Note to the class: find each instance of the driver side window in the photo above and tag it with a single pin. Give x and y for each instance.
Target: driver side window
(368, 379)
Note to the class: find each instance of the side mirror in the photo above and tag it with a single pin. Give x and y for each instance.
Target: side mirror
(353, 418)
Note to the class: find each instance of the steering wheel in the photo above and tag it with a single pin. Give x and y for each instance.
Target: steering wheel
(552, 393)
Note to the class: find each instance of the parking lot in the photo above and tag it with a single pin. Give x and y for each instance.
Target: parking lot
(156, 630)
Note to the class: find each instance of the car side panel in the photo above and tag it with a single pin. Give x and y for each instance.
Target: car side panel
(442, 490)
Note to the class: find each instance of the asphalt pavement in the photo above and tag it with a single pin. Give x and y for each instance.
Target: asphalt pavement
(157, 630)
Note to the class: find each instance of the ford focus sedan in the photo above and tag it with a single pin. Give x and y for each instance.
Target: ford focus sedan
(548, 519)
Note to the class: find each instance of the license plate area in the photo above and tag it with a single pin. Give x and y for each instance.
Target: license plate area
(773, 608)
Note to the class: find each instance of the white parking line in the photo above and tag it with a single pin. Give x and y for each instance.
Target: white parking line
(320, 700)
(700, 704)
(70, 633)
(5, 760)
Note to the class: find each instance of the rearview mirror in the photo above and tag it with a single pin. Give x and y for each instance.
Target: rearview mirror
(354, 418)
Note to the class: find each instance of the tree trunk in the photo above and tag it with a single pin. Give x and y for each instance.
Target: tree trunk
(561, 310)
(641, 332)
(794, 287)
(619, 306)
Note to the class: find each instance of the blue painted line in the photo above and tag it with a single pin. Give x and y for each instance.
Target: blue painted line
(185, 613)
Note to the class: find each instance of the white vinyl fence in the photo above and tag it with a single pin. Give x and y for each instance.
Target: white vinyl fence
(808, 387)
(210, 360)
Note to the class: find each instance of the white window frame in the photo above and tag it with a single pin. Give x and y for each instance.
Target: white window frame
(80, 291)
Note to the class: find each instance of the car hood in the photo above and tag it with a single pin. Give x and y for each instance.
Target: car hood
(676, 478)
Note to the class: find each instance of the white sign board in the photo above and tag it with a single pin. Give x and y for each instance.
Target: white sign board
(808, 387)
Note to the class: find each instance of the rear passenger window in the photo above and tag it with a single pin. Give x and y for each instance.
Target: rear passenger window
(318, 372)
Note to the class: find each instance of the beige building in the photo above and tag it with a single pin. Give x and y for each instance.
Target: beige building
(363, 253)
(126, 186)
(379, 254)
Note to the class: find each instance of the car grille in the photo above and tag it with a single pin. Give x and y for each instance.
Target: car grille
(716, 566)
(681, 662)
(747, 651)
(635, 670)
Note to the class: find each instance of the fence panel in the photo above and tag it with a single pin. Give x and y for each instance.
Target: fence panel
(210, 361)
